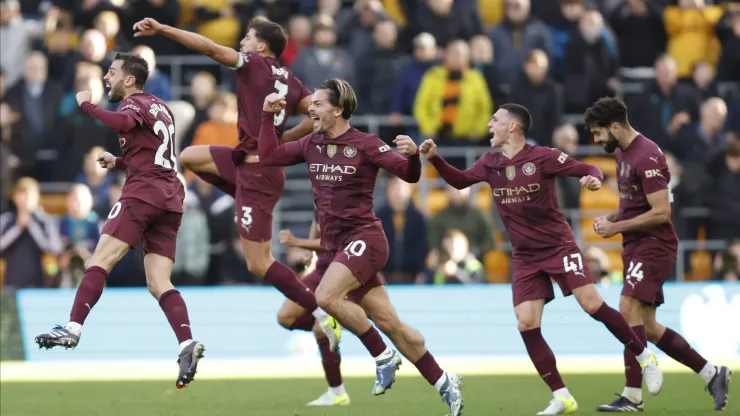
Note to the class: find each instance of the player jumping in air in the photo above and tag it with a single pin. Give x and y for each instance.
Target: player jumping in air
(343, 164)
(239, 171)
(522, 178)
(149, 210)
(649, 250)
(293, 316)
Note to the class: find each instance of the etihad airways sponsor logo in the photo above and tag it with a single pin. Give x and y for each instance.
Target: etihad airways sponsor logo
(516, 194)
(329, 172)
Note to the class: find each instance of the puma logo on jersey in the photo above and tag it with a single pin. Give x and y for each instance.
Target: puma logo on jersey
(320, 148)
(654, 159)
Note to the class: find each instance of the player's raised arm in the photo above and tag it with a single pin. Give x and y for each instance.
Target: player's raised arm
(313, 244)
(653, 172)
(198, 43)
(270, 151)
(558, 163)
(407, 168)
(456, 178)
(304, 128)
(118, 121)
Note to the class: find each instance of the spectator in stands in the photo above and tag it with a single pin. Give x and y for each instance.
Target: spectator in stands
(324, 59)
(26, 234)
(166, 12)
(408, 80)
(703, 78)
(355, 29)
(728, 32)
(219, 210)
(691, 35)
(696, 141)
(60, 50)
(157, 84)
(98, 179)
(77, 133)
(9, 162)
(379, 69)
(456, 265)
(202, 93)
(481, 58)
(299, 29)
(462, 215)
(17, 36)
(684, 196)
(453, 104)
(84, 73)
(405, 227)
(334, 9)
(590, 65)
(108, 24)
(638, 24)
(79, 229)
(218, 21)
(666, 105)
(447, 20)
(726, 266)
(568, 190)
(515, 38)
(36, 100)
(193, 248)
(3, 84)
(724, 170)
(599, 264)
(92, 49)
(220, 128)
(541, 95)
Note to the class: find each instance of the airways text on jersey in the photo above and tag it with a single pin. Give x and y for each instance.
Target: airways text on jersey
(516, 194)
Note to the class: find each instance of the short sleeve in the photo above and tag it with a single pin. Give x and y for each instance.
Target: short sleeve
(242, 62)
(133, 109)
(652, 169)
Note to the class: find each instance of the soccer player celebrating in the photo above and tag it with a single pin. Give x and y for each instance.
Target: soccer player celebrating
(522, 178)
(239, 171)
(149, 210)
(649, 249)
(293, 316)
(343, 164)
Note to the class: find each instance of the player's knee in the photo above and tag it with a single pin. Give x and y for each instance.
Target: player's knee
(630, 308)
(326, 299)
(653, 331)
(387, 323)
(257, 267)
(193, 158)
(106, 257)
(285, 318)
(526, 322)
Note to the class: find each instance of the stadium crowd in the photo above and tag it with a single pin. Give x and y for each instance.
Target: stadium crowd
(446, 64)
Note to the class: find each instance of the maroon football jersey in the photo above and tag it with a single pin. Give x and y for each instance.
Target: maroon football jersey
(524, 191)
(149, 153)
(642, 170)
(257, 77)
(343, 171)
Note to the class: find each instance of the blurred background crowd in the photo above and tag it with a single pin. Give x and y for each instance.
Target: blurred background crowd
(428, 68)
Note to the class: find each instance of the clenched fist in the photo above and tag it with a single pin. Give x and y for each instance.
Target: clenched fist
(147, 27)
(405, 145)
(274, 103)
(428, 148)
(106, 160)
(591, 183)
(286, 237)
(83, 96)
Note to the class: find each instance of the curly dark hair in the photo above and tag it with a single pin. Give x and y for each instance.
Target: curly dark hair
(605, 112)
(271, 33)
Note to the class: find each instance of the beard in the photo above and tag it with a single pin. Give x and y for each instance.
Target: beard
(116, 93)
(611, 144)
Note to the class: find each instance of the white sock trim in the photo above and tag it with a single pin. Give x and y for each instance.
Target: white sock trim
(338, 390)
(707, 373)
(185, 344)
(385, 354)
(644, 355)
(561, 392)
(320, 315)
(74, 327)
(439, 383)
(633, 393)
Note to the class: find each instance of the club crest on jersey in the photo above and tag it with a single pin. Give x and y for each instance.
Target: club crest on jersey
(350, 151)
(331, 150)
(528, 168)
(122, 141)
(510, 172)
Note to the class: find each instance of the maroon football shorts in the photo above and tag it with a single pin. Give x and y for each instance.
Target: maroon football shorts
(313, 279)
(132, 220)
(364, 253)
(566, 265)
(645, 274)
(258, 189)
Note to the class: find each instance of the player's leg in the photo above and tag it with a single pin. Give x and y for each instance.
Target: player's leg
(122, 231)
(160, 245)
(213, 164)
(676, 347)
(410, 343)
(331, 361)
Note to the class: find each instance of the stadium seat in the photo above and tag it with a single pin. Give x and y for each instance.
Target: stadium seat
(484, 199)
(496, 265)
(701, 266)
(54, 203)
(431, 172)
(436, 201)
(607, 164)
(590, 236)
(605, 199)
(615, 260)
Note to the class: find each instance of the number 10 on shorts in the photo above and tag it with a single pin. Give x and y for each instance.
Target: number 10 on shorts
(355, 248)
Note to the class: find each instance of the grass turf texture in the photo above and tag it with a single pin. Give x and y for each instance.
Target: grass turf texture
(682, 395)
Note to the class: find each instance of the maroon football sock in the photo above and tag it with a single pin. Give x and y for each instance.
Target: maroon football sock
(679, 349)
(303, 322)
(88, 293)
(177, 314)
(331, 362)
(542, 358)
(285, 280)
(632, 369)
(618, 326)
(429, 368)
(215, 180)
(372, 340)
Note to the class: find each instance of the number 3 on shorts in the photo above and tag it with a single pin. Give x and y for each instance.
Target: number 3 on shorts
(355, 248)
(246, 217)
(571, 266)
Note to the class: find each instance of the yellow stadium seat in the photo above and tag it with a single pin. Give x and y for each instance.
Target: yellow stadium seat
(55, 204)
(436, 201)
(701, 266)
(431, 172)
(491, 11)
(496, 265)
(615, 260)
(603, 199)
(607, 164)
(484, 199)
(590, 236)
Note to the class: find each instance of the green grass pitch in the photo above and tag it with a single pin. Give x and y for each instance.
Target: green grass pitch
(683, 395)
